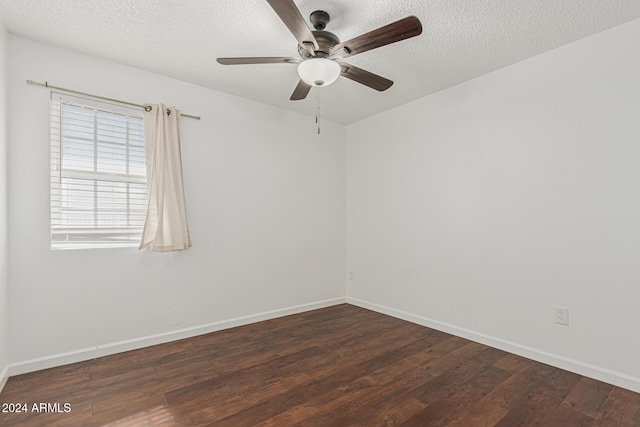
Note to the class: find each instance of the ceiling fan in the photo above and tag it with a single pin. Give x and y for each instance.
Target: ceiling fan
(322, 53)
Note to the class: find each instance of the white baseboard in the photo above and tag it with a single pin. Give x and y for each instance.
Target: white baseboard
(136, 343)
(4, 376)
(602, 374)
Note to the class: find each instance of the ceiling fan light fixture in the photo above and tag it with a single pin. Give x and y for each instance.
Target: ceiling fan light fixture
(319, 71)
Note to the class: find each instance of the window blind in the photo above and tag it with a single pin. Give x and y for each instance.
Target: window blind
(98, 177)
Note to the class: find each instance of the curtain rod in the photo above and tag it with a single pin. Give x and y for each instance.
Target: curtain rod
(47, 85)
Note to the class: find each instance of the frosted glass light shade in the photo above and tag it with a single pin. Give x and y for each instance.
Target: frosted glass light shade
(319, 71)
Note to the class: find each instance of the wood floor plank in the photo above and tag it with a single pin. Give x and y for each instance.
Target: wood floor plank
(369, 393)
(494, 406)
(384, 411)
(621, 407)
(588, 397)
(563, 416)
(238, 379)
(342, 366)
(512, 363)
(453, 402)
(549, 393)
(459, 373)
(130, 402)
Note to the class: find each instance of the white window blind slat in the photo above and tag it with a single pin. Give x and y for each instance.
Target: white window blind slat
(98, 183)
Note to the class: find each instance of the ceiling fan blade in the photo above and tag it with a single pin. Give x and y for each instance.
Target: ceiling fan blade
(365, 77)
(292, 18)
(257, 60)
(391, 33)
(301, 91)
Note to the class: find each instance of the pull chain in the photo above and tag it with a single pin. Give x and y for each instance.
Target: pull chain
(317, 112)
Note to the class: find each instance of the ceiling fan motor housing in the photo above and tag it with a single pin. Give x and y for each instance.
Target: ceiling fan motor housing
(326, 40)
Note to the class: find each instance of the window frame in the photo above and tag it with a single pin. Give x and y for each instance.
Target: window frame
(68, 233)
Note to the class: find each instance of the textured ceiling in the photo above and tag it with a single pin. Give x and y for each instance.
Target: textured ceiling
(461, 39)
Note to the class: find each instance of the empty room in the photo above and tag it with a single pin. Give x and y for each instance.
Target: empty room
(318, 213)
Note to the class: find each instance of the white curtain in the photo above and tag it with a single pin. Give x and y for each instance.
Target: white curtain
(165, 227)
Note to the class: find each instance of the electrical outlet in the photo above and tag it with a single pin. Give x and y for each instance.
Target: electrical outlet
(351, 275)
(562, 316)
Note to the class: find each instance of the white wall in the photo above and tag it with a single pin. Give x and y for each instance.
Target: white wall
(481, 208)
(265, 198)
(4, 305)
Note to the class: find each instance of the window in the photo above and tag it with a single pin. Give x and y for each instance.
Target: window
(98, 182)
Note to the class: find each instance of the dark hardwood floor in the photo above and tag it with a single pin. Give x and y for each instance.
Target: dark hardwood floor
(339, 366)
